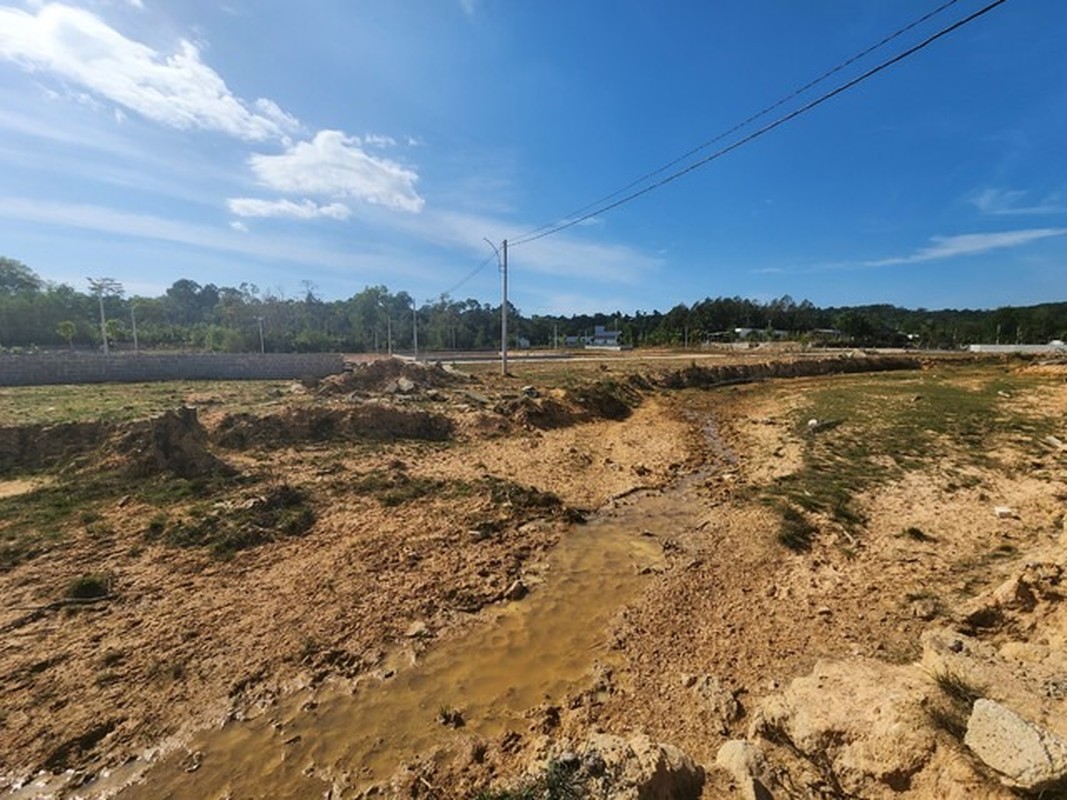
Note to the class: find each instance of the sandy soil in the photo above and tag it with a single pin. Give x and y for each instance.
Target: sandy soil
(184, 640)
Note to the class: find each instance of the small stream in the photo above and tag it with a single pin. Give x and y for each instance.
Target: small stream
(520, 655)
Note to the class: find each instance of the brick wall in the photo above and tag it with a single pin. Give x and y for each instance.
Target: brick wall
(75, 367)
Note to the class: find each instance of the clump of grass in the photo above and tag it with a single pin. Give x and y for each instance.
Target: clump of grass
(283, 510)
(88, 587)
(795, 531)
(452, 717)
(918, 534)
(952, 710)
(561, 780)
(395, 488)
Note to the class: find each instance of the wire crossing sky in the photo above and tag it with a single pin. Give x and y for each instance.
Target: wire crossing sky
(355, 144)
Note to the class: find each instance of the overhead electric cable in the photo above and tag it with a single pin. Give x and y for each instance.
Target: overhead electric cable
(762, 113)
(471, 274)
(601, 209)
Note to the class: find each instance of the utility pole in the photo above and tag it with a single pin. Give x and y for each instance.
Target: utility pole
(503, 261)
(262, 348)
(133, 324)
(414, 329)
(101, 287)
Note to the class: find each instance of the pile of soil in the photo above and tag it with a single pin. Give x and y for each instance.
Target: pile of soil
(704, 377)
(173, 443)
(30, 447)
(385, 375)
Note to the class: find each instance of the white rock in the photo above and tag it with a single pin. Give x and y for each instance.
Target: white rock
(1028, 756)
(748, 767)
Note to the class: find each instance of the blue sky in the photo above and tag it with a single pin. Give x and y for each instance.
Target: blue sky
(358, 142)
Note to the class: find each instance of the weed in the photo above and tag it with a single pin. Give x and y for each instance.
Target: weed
(283, 510)
(954, 709)
(449, 716)
(795, 531)
(88, 587)
(918, 535)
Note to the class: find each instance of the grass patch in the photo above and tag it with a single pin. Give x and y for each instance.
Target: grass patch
(894, 423)
(40, 520)
(88, 587)
(110, 402)
(226, 528)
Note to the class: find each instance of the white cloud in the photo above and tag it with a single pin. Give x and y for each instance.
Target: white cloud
(334, 165)
(306, 209)
(969, 244)
(239, 226)
(1014, 202)
(378, 140)
(176, 89)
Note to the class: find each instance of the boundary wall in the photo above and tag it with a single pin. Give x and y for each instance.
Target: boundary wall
(78, 367)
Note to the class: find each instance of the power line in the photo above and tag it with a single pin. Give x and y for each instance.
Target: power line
(600, 208)
(471, 274)
(762, 113)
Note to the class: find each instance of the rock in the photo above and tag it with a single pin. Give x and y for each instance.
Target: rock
(718, 699)
(405, 385)
(748, 767)
(641, 769)
(1027, 756)
(1005, 512)
(875, 731)
(516, 591)
(417, 630)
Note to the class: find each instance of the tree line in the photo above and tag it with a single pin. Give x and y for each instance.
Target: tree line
(38, 314)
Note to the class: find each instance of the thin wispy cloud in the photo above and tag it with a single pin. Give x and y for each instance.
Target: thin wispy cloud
(305, 209)
(175, 89)
(116, 222)
(968, 244)
(1016, 202)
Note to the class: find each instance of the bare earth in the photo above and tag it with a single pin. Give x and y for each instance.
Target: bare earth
(419, 539)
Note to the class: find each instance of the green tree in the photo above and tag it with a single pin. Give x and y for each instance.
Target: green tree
(67, 329)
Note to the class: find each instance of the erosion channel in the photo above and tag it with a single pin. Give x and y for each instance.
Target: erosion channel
(524, 653)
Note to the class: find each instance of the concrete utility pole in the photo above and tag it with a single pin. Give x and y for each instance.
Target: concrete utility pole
(262, 347)
(503, 261)
(101, 287)
(414, 329)
(133, 324)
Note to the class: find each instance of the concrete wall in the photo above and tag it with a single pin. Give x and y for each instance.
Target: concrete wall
(1021, 349)
(52, 368)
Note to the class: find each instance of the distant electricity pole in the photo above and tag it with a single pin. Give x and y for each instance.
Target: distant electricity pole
(414, 329)
(102, 287)
(503, 261)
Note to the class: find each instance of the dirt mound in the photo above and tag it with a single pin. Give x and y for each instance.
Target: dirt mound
(175, 442)
(28, 447)
(370, 422)
(594, 401)
(389, 376)
(702, 377)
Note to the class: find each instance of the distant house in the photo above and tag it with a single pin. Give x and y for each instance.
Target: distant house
(601, 339)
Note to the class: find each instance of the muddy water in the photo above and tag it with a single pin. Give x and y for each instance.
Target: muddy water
(522, 654)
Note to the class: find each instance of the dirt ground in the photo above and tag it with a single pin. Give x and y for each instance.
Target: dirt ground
(238, 557)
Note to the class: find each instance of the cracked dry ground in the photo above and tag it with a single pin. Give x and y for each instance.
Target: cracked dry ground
(893, 499)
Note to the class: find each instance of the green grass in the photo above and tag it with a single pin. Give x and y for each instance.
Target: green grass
(37, 521)
(49, 405)
(889, 424)
(88, 587)
(280, 511)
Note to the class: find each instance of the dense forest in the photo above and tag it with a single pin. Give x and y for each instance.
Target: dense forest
(39, 314)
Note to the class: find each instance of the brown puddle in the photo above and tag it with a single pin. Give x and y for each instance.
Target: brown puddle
(525, 653)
